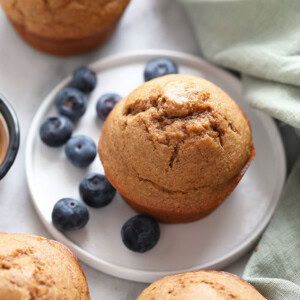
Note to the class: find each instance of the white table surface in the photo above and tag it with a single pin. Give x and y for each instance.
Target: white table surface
(27, 76)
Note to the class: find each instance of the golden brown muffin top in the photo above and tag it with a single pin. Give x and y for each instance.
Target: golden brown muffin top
(33, 267)
(204, 285)
(175, 137)
(64, 19)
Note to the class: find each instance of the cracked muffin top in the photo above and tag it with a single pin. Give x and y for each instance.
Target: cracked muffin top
(205, 285)
(64, 19)
(176, 141)
(33, 267)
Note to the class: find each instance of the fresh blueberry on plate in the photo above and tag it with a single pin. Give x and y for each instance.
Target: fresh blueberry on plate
(106, 103)
(140, 233)
(96, 191)
(69, 214)
(55, 131)
(71, 103)
(158, 67)
(84, 79)
(81, 151)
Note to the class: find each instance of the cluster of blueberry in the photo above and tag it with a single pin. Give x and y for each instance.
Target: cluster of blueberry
(140, 233)
(95, 190)
(71, 103)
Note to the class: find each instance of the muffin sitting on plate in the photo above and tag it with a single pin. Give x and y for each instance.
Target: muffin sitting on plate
(176, 147)
(33, 267)
(202, 285)
(64, 27)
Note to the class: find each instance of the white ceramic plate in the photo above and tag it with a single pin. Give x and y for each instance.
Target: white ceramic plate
(211, 243)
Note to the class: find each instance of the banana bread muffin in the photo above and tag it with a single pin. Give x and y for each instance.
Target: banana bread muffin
(33, 267)
(176, 147)
(202, 285)
(64, 27)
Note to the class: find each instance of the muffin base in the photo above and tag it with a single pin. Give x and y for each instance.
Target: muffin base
(177, 217)
(65, 47)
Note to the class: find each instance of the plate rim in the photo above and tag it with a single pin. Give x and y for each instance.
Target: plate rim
(137, 274)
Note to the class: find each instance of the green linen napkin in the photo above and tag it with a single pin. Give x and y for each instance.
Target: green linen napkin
(275, 268)
(261, 40)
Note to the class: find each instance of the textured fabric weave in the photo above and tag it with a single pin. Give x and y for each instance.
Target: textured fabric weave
(275, 268)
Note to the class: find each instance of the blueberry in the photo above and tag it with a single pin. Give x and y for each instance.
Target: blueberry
(71, 103)
(81, 150)
(140, 233)
(84, 79)
(158, 67)
(106, 103)
(96, 191)
(69, 214)
(55, 131)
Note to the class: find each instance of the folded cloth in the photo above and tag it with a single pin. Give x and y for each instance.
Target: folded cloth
(260, 39)
(274, 268)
